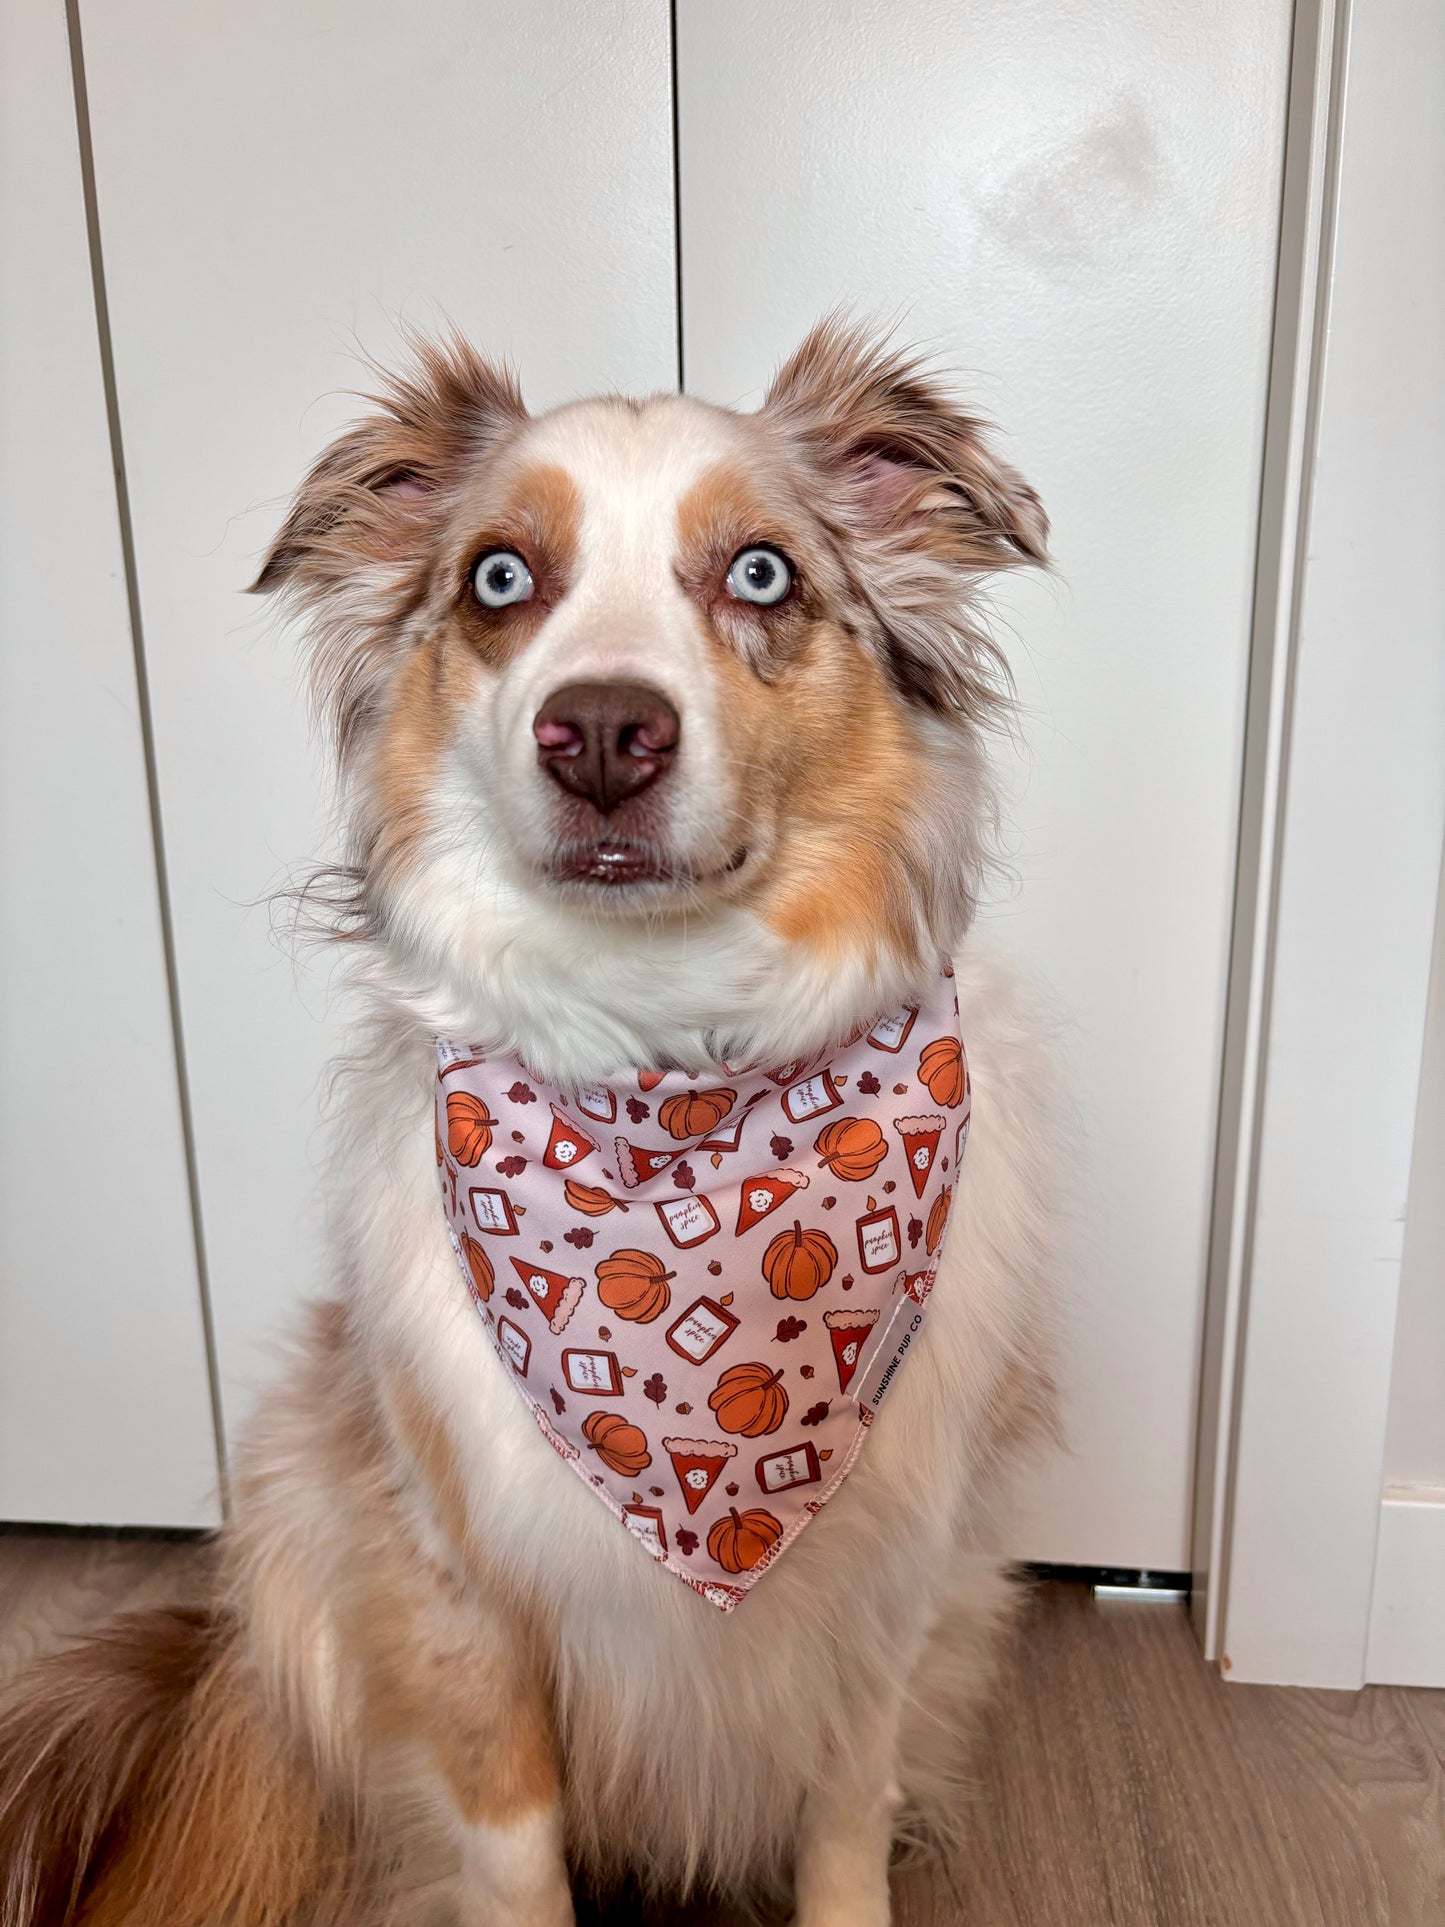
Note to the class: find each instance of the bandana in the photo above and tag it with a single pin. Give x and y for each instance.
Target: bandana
(703, 1285)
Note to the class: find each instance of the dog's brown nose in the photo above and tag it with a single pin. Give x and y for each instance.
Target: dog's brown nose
(606, 741)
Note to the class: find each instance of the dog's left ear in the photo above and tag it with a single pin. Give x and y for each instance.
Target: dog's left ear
(904, 455)
(922, 502)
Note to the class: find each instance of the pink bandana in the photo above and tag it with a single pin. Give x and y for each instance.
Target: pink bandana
(702, 1286)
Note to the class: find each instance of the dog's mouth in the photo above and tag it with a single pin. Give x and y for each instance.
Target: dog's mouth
(614, 863)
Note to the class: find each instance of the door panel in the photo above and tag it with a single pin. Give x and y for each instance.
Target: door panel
(105, 1411)
(1076, 207)
(277, 184)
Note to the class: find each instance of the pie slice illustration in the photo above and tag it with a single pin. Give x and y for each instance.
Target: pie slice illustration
(918, 1284)
(697, 1463)
(568, 1144)
(556, 1294)
(849, 1332)
(649, 1080)
(920, 1140)
(764, 1194)
(635, 1164)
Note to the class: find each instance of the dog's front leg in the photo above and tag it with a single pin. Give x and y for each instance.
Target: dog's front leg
(844, 1841)
(470, 1699)
(513, 1871)
(846, 1831)
(499, 1762)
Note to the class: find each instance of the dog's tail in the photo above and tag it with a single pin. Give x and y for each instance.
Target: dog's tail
(143, 1783)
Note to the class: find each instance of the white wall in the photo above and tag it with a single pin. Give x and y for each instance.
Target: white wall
(104, 1401)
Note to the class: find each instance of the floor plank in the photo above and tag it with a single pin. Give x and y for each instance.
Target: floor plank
(1119, 1781)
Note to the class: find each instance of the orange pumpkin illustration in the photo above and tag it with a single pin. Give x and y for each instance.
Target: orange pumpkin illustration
(941, 1068)
(691, 1113)
(634, 1284)
(851, 1147)
(437, 1134)
(938, 1219)
(797, 1263)
(479, 1265)
(743, 1540)
(469, 1127)
(749, 1399)
(590, 1199)
(621, 1447)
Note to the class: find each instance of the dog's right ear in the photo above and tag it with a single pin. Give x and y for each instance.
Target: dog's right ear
(355, 553)
(375, 495)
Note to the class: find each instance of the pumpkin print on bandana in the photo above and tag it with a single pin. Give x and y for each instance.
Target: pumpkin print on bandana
(704, 1321)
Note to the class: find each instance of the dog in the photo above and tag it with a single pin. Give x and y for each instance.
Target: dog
(663, 745)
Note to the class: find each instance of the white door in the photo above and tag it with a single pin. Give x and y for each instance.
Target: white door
(105, 1411)
(277, 184)
(1077, 206)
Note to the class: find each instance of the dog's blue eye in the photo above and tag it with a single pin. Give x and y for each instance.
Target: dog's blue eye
(759, 575)
(501, 578)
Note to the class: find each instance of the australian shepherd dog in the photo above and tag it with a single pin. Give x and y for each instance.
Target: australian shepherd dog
(662, 735)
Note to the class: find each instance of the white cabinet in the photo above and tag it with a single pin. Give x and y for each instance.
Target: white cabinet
(1077, 207)
(277, 184)
(104, 1403)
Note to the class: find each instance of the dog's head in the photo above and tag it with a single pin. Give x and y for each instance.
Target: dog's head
(666, 711)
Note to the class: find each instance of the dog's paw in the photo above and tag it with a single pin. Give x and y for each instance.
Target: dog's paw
(838, 1905)
(841, 1913)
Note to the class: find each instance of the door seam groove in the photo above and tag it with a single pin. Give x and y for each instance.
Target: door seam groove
(676, 196)
(1267, 836)
(99, 296)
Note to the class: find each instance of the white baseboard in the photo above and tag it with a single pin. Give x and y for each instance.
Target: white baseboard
(1407, 1613)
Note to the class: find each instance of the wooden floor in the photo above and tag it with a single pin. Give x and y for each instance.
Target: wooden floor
(1120, 1782)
